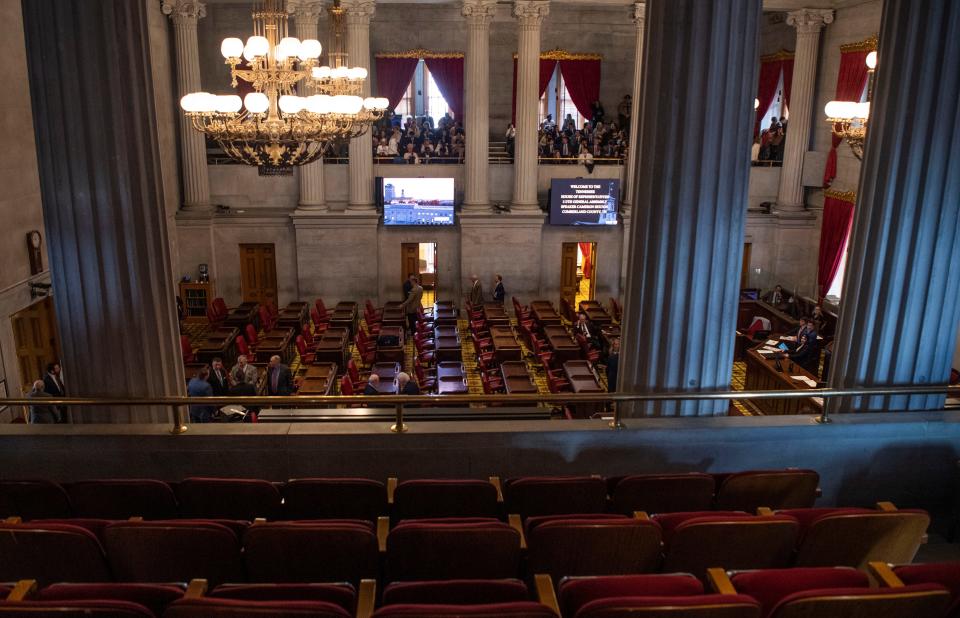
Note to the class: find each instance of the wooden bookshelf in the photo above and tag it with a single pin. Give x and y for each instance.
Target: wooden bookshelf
(196, 298)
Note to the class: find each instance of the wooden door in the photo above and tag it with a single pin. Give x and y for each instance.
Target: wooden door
(36, 339)
(258, 273)
(568, 273)
(409, 260)
(745, 266)
(592, 294)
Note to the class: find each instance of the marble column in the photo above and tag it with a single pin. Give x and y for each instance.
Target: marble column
(99, 163)
(530, 15)
(899, 307)
(809, 23)
(639, 19)
(306, 16)
(479, 14)
(358, 14)
(680, 308)
(193, 148)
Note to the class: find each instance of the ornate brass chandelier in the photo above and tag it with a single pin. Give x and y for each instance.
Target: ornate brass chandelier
(273, 127)
(849, 118)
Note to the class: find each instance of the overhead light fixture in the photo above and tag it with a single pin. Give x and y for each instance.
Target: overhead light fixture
(849, 118)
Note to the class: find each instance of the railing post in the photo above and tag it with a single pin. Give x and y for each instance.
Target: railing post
(616, 423)
(399, 427)
(823, 419)
(179, 420)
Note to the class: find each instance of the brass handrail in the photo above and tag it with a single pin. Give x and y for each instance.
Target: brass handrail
(399, 401)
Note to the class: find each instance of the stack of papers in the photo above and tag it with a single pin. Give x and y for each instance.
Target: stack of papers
(809, 382)
(769, 350)
(772, 342)
(787, 338)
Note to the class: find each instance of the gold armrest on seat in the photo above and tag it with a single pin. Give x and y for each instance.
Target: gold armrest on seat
(882, 572)
(136, 519)
(517, 524)
(13, 520)
(495, 481)
(383, 529)
(545, 592)
(886, 507)
(22, 590)
(367, 598)
(764, 511)
(391, 488)
(641, 515)
(720, 581)
(196, 589)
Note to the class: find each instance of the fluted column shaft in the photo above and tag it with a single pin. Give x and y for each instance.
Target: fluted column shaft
(479, 14)
(530, 15)
(193, 160)
(306, 16)
(358, 14)
(899, 309)
(639, 20)
(809, 23)
(99, 162)
(692, 176)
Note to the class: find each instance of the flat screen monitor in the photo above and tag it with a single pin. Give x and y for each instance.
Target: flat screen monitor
(418, 201)
(580, 201)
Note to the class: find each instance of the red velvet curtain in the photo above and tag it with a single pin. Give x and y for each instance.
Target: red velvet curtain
(587, 258)
(787, 80)
(766, 89)
(834, 232)
(546, 72)
(393, 77)
(448, 73)
(851, 81)
(582, 79)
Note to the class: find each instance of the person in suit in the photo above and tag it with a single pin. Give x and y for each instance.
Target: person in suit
(408, 285)
(776, 297)
(797, 334)
(498, 292)
(807, 352)
(588, 330)
(244, 373)
(53, 386)
(372, 382)
(38, 413)
(200, 387)
(279, 378)
(219, 380)
(406, 386)
(411, 306)
(613, 365)
(476, 291)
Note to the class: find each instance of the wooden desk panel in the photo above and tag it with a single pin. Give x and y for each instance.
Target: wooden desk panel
(494, 313)
(516, 379)
(544, 312)
(450, 369)
(762, 375)
(247, 313)
(448, 349)
(563, 345)
(505, 344)
(444, 314)
(452, 386)
(277, 342)
(386, 371)
(392, 354)
(332, 347)
(294, 315)
(318, 380)
(583, 380)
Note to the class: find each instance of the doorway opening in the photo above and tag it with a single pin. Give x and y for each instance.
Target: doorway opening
(36, 339)
(258, 273)
(420, 259)
(578, 273)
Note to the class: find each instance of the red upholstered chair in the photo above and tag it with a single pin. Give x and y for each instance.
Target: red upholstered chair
(123, 498)
(556, 382)
(770, 586)
(321, 308)
(777, 489)
(266, 319)
(307, 335)
(854, 537)
(517, 609)
(243, 348)
(534, 495)
(211, 607)
(342, 594)
(311, 551)
(430, 498)
(173, 551)
(456, 592)
(359, 381)
(662, 493)
(186, 349)
(946, 574)
(252, 337)
(589, 353)
(694, 542)
(245, 499)
(492, 383)
(320, 323)
(466, 548)
(427, 379)
(334, 498)
(220, 305)
(306, 356)
(71, 609)
(367, 351)
(597, 544)
(51, 552)
(346, 386)
(656, 596)
(93, 525)
(272, 308)
(213, 318)
(33, 500)
(155, 597)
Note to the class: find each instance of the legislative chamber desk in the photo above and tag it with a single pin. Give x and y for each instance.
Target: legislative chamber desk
(220, 343)
(595, 312)
(762, 375)
(294, 315)
(544, 312)
(444, 314)
(278, 342)
(246, 313)
(494, 313)
(563, 346)
(392, 314)
(780, 322)
(505, 344)
(390, 353)
(516, 379)
(410, 415)
(318, 380)
(331, 347)
(447, 344)
(345, 316)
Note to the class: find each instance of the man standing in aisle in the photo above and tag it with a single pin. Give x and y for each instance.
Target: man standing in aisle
(498, 292)
(279, 378)
(53, 386)
(476, 291)
(411, 306)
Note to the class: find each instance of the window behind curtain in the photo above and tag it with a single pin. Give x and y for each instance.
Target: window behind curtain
(433, 103)
(558, 97)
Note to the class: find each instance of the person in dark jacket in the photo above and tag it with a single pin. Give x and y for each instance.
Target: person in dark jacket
(406, 386)
(498, 292)
(613, 365)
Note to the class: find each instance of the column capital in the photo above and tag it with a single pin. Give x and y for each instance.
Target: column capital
(479, 12)
(184, 11)
(531, 13)
(358, 12)
(639, 14)
(306, 12)
(810, 20)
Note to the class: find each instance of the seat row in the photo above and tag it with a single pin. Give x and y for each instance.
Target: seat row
(357, 498)
(912, 591)
(85, 550)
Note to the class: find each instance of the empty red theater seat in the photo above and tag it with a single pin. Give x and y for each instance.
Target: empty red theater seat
(456, 592)
(155, 597)
(531, 496)
(662, 493)
(946, 574)
(208, 607)
(334, 498)
(75, 609)
(777, 489)
(51, 553)
(427, 498)
(575, 592)
(122, 499)
(770, 586)
(228, 498)
(33, 500)
(518, 609)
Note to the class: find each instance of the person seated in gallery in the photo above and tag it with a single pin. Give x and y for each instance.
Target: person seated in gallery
(406, 386)
(777, 298)
(586, 328)
(807, 352)
(372, 382)
(410, 156)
